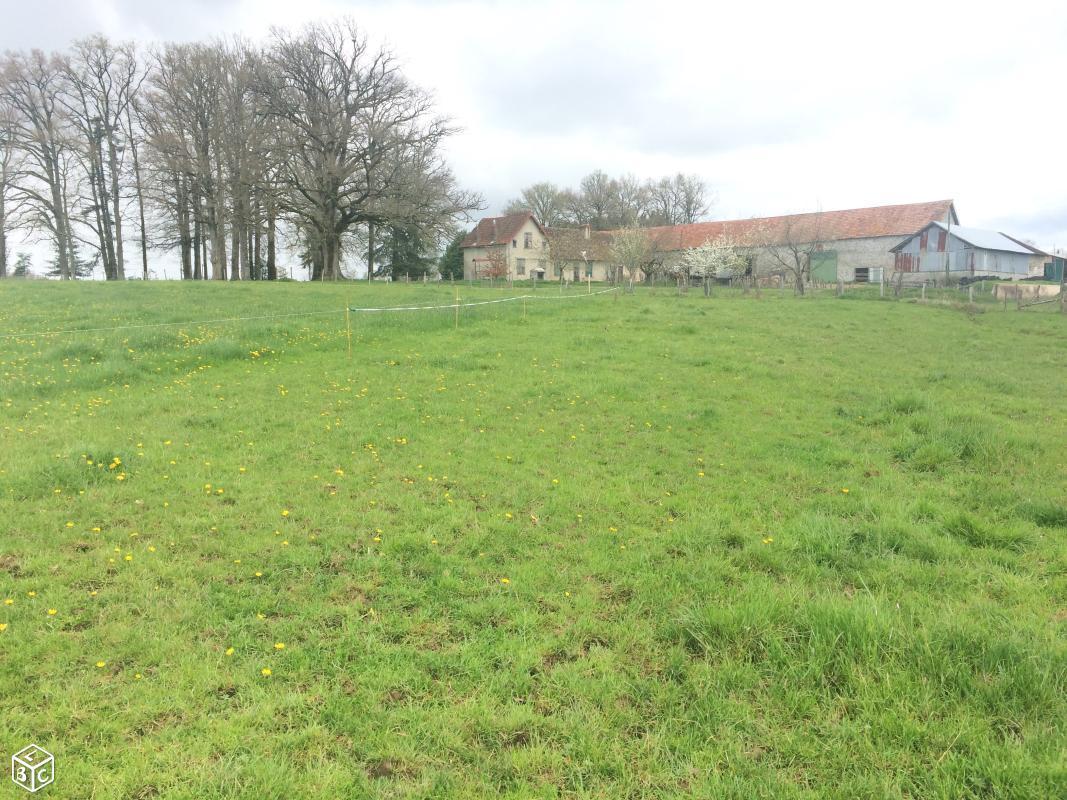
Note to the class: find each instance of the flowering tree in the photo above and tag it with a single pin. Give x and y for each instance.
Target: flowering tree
(719, 257)
(494, 265)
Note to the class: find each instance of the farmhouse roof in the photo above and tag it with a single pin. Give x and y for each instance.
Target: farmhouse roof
(979, 238)
(499, 230)
(568, 244)
(853, 223)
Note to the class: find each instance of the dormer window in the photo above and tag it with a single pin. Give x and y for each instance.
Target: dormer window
(527, 241)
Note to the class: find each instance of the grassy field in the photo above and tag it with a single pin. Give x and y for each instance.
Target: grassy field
(642, 546)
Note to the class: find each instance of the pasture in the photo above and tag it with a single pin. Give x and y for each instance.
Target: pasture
(643, 546)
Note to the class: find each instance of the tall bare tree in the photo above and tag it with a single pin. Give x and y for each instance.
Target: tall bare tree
(31, 86)
(354, 129)
(791, 244)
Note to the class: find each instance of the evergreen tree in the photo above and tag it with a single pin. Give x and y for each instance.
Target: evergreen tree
(404, 253)
(451, 264)
(22, 266)
(80, 267)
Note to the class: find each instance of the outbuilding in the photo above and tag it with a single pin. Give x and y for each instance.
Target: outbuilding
(951, 252)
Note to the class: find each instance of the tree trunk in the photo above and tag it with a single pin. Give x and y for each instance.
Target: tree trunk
(116, 204)
(140, 204)
(3, 228)
(199, 267)
(370, 251)
(184, 237)
(272, 264)
(59, 207)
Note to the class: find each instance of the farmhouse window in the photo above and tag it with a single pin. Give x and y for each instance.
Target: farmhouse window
(520, 266)
(514, 243)
(527, 241)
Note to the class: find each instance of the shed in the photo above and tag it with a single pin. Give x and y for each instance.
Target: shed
(958, 252)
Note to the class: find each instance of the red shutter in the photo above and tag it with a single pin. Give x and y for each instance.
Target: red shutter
(924, 240)
(942, 237)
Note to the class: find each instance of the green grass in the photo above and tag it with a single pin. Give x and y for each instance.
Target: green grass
(638, 547)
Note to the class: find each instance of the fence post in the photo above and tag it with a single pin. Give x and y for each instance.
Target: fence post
(924, 290)
(457, 309)
(970, 294)
(348, 329)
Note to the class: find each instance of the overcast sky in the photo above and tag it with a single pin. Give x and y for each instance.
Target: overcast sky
(780, 107)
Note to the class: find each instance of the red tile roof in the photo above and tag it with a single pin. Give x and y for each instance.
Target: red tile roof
(498, 230)
(568, 244)
(853, 223)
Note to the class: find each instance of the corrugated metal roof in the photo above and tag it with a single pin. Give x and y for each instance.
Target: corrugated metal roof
(987, 240)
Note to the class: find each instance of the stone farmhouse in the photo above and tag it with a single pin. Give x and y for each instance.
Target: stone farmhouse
(852, 245)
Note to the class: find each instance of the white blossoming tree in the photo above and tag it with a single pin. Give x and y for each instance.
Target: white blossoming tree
(718, 257)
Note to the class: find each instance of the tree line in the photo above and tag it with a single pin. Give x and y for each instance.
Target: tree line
(607, 203)
(221, 152)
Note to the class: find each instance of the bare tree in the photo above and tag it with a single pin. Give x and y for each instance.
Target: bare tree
(544, 200)
(30, 87)
(354, 126)
(632, 250)
(101, 80)
(791, 245)
(9, 199)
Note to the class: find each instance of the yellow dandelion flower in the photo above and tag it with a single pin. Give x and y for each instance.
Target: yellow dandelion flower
(137, 676)
(52, 612)
(8, 601)
(265, 672)
(505, 581)
(229, 651)
(285, 512)
(279, 645)
(844, 491)
(101, 664)
(3, 627)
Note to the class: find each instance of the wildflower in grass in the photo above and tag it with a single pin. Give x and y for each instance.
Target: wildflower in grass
(285, 512)
(229, 651)
(844, 491)
(151, 548)
(93, 593)
(505, 581)
(101, 664)
(433, 541)
(507, 515)
(279, 645)
(9, 601)
(555, 481)
(137, 676)
(128, 557)
(259, 574)
(3, 627)
(52, 612)
(265, 672)
(70, 524)
(768, 539)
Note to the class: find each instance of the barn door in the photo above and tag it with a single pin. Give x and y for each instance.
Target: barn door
(824, 266)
